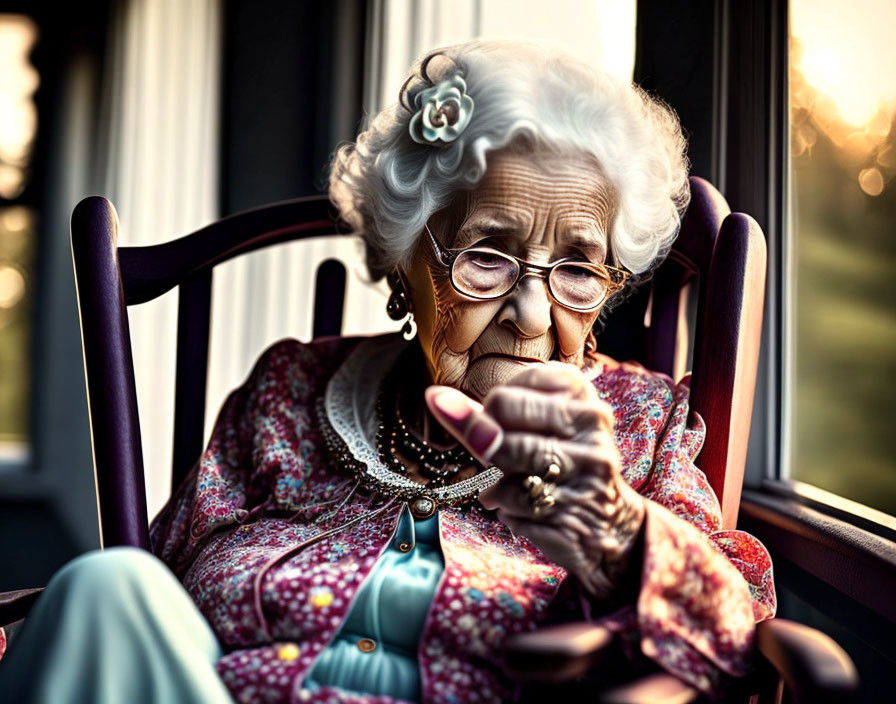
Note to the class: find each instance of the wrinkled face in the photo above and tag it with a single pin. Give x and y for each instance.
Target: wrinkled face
(540, 207)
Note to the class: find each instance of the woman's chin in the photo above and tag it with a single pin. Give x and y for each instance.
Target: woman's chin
(488, 372)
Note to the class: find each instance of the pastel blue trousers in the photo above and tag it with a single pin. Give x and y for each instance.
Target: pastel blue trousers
(113, 626)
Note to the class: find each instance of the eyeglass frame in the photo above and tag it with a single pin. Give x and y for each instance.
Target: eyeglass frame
(616, 277)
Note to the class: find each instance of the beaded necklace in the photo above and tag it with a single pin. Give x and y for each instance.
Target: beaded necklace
(394, 438)
(386, 476)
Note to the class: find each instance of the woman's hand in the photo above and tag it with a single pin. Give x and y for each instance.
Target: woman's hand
(548, 423)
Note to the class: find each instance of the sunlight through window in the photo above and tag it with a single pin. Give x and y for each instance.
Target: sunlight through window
(843, 152)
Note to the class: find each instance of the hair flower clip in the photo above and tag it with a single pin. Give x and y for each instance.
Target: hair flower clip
(443, 112)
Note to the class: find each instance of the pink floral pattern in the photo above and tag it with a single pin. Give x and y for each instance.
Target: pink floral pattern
(249, 534)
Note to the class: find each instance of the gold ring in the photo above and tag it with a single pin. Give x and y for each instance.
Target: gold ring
(534, 485)
(552, 461)
(543, 502)
(541, 496)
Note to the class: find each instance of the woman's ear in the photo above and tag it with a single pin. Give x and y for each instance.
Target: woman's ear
(590, 342)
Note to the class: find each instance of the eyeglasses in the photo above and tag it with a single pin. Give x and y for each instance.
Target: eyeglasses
(485, 273)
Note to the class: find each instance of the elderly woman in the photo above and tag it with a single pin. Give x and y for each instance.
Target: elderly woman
(374, 517)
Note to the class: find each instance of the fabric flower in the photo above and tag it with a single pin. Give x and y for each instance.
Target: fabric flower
(443, 112)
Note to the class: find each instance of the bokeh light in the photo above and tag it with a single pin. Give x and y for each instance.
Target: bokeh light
(18, 113)
(871, 181)
(12, 286)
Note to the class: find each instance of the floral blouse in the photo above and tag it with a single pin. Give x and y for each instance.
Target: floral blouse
(271, 542)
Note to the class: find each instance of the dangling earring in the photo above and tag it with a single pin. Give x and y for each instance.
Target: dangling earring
(409, 329)
(399, 305)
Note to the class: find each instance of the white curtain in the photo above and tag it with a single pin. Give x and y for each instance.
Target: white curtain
(160, 169)
(598, 32)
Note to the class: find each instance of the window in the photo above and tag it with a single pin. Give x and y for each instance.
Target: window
(18, 123)
(843, 249)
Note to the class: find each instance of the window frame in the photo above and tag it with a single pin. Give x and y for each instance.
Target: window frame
(753, 40)
(849, 546)
(689, 53)
(778, 478)
(752, 167)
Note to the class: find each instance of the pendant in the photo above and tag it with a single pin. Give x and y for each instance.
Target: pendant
(422, 507)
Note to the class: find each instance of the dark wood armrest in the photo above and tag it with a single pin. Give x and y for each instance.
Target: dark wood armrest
(556, 653)
(14, 606)
(812, 665)
(658, 688)
(563, 653)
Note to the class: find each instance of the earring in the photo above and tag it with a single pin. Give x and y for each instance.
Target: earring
(399, 306)
(409, 329)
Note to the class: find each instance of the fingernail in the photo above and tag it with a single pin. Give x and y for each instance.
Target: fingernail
(450, 403)
(484, 438)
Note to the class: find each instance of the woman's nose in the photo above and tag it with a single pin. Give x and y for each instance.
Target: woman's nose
(528, 307)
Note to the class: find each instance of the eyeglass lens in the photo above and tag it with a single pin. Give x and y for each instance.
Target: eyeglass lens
(482, 273)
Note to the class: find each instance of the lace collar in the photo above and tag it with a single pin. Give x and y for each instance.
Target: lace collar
(350, 406)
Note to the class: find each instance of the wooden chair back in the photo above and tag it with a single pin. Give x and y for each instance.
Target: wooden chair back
(720, 258)
(110, 278)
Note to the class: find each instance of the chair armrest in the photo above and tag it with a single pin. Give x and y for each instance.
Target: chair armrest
(14, 606)
(812, 665)
(658, 688)
(562, 653)
(556, 653)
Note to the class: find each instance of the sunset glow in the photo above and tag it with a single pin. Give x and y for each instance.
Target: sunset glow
(829, 73)
(842, 66)
(856, 75)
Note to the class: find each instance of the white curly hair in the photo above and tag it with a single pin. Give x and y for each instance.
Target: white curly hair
(387, 186)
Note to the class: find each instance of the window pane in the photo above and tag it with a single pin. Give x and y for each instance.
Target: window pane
(16, 238)
(18, 122)
(843, 270)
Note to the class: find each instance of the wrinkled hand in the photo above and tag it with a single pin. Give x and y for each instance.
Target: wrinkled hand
(548, 414)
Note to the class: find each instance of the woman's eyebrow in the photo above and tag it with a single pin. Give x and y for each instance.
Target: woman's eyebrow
(587, 243)
(472, 231)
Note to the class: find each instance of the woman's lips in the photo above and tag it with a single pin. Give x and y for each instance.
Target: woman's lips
(494, 368)
(509, 357)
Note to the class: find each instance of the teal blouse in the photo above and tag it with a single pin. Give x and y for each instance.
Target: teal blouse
(375, 651)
